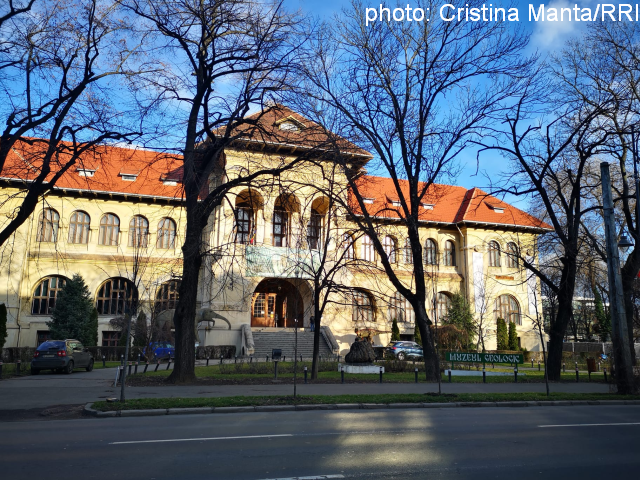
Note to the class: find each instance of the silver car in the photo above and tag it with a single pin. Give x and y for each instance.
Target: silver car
(61, 356)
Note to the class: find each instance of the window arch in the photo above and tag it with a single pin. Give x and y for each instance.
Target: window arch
(109, 230)
(138, 231)
(408, 253)
(494, 254)
(362, 308)
(79, 225)
(347, 245)
(400, 309)
(449, 258)
(508, 308)
(389, 245)
(48, 225)
(314, 229)
(116, 296)
(368, 251)
(443, 304)
(166, 233)
(244, 223)
(430, 252)
(513, 255)
(46, 293)
(167, 296)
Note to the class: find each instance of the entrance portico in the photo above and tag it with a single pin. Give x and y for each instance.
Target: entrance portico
(276, 302)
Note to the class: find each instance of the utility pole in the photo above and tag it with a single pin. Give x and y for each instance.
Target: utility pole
(621, 354)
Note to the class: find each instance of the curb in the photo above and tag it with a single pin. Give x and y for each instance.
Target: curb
(348, 406)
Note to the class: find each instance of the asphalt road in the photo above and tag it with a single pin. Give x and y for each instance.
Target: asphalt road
(478, 443)
(47, 389)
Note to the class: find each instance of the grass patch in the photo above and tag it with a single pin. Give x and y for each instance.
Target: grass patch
(155, 403)
(98, 364)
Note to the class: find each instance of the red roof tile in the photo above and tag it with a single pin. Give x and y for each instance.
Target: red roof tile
(451, 204)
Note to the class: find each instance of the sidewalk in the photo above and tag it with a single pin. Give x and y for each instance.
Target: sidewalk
(82, 387)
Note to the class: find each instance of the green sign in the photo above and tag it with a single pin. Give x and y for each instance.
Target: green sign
(475, 357)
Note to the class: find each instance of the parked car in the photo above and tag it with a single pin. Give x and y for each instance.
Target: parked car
(160, 350)
(403, 350)
(61, 356)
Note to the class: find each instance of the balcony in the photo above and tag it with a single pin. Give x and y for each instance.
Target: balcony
(281, 262)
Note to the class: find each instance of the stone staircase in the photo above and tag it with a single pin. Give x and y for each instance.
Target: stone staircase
(266, 340)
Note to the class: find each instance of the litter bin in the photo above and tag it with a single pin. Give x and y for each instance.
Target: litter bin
(591, 365)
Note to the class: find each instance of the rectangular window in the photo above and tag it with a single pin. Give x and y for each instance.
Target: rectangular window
(110, 339)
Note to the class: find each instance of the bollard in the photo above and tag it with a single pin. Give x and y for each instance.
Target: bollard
(129, 373)
(18, 365)
(484, 375)
(266, 358)
(251, 359)
(146, 366)
(305, 374)
(168, 363)
(220, 359)
(577, 374)
(604, 370)
(342, 374)
(157, 365)
(532, 363)
(104, 364)
(301, 357)
(515, 374)
(135, 372)
(380, 374)
(415, 371)
(284, 358)
(121, 359)
(539, 365)
(449, 375)
(0, 370)
(207, 361)
(493, 366)
(275, 369)
(564, 368)
(589, 374)
(235, 359)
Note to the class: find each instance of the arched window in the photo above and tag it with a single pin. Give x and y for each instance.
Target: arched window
(368, 251)
(109, 230)
(48, 225)
(280, 226)
(449, 257)
(314, 229)
(508, 309)
(138, 231)
(512, 255)
(79, 227)
(400, 309)
(389, 245)
(116, 296)
(408, 253)
(431, 252)
(166, 233)
(244, 223)
(362, 308)
(494, 254)
(347, 245)
(443, 304)
(45, 295)
(167, 296)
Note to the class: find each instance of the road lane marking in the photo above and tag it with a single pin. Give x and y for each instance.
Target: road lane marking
(200, 439)
(321, 477)
(588, 425)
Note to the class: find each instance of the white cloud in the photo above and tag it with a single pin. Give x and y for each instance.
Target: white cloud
(552, 35)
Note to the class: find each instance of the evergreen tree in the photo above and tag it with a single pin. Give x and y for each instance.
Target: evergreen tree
(90, 334)
(603, 326)
(416, 336)
(140, 330)
(71, 317)
(460, 316)
(502, 335)
(513, 336)
(395, 331)
(3, 327)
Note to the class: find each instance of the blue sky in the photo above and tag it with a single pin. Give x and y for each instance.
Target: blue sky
(546, 38)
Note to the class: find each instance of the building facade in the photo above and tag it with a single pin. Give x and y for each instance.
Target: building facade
(119, 224)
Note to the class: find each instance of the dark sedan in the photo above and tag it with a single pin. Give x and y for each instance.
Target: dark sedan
(61, 356)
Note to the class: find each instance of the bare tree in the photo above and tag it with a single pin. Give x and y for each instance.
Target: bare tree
(414, 94)
(57, 101)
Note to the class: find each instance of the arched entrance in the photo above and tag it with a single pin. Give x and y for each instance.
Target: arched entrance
(276, 303)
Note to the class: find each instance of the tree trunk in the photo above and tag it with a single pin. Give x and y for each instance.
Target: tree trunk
(628, 277)
(317, 317)
(556, 335)
(185, 315)
(431, 360)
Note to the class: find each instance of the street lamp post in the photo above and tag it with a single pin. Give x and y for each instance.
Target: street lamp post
(622, 355)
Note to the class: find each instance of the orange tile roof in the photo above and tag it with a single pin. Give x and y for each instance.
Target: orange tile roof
(108, 164)
(451, 204)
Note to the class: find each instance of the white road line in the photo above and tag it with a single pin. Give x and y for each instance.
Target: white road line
(200, 439)
(321, 477)
(587, 425)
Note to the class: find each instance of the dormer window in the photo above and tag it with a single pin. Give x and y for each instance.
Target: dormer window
(428, 206)
(498, 210)
(170, 183)
(85, 172)
(128, 177)
(396, 203)
(368, 201)
(289, 126)
(495, 208)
